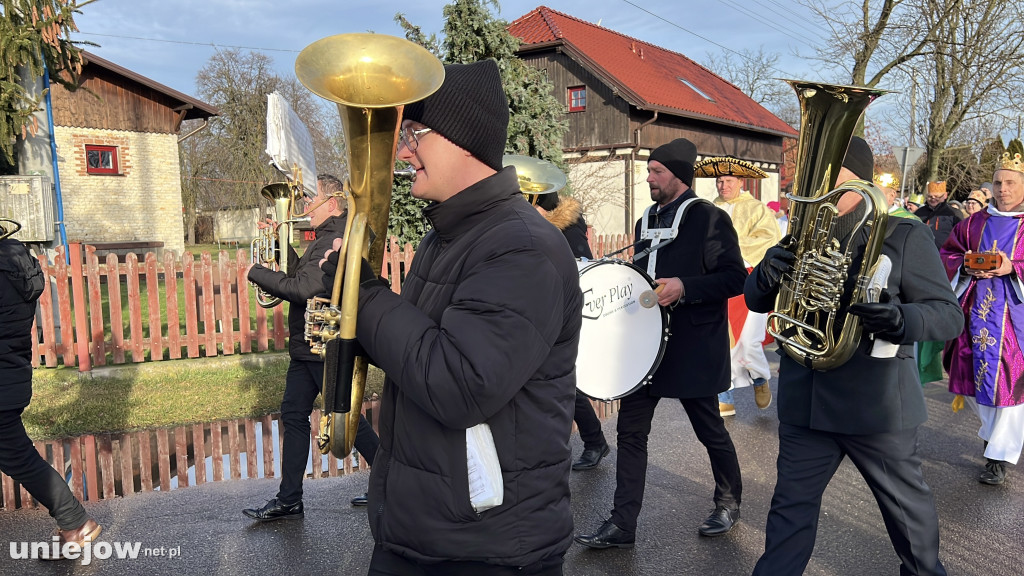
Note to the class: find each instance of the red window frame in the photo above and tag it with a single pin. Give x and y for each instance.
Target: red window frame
(114, 168)
(577, 96)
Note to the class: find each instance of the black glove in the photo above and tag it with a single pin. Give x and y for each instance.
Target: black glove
(776, 263)
(881, 318)
(330, 268)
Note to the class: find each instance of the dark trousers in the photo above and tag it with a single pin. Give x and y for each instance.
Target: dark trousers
(588, 423)
(636, 412)
(20, 461)
(892, 469)
(302, 385)
(385, 563)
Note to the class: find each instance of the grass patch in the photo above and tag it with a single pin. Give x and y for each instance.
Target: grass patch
(159, 394)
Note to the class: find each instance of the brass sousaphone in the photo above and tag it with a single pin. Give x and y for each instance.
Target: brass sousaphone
(370, 77)
(810, 320)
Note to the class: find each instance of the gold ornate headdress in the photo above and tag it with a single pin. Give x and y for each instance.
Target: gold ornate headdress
(1014, 163)
(887, 179)
(716, 166)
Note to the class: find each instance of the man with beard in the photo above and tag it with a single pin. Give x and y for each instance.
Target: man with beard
(699, 270)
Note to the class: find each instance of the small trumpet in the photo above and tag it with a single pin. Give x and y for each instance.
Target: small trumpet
(8, 228)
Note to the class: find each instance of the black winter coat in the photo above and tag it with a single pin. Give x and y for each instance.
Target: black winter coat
(705, 256)
(486, 330)
(21, 283)
(868, 395)
(940, 220)
(303, 281)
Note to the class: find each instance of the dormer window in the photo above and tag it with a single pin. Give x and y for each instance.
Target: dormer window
(577, 99)
(695, 89)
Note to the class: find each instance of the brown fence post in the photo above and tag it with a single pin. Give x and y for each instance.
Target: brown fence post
(199, 451)
(145, 461)
(209, 317)
(251, 470)
(114, 305)
(81, 322)
(156, 345)
(217, 451)
(181, 454)
(188, 276)
(92, 274)
(266, 432)
(106, 462)
(234, 462)
(134, 308)
(227, 278)
(67, 332)
(244, 322)
(163, 459)
(127, 473)
(171, 294)
(92, 488)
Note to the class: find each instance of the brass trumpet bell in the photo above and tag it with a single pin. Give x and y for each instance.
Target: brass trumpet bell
(536, 176)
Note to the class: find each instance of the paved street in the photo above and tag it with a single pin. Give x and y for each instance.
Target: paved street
(982, 526)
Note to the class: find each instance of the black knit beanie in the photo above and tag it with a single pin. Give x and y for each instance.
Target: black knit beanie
(469, 109)
(678, 156)
(859, 159)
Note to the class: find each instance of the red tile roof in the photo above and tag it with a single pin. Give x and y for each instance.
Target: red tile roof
(647, 76)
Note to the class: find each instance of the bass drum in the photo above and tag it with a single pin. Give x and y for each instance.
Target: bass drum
(624, 331)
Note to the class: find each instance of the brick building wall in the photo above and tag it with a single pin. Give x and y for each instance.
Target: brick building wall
(140, 203)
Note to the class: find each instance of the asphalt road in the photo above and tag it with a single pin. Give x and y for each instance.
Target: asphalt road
(201, 530)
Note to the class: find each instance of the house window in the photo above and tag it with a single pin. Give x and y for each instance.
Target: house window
(101, 159)
(577, 99)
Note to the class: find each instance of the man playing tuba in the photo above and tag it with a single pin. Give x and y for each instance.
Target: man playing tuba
(868, 408)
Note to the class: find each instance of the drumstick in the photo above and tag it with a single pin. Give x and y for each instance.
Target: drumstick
(649, 298)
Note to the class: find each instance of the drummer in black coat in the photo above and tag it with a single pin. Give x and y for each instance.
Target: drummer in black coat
(699, 271)
(567, 215)
(867, 409)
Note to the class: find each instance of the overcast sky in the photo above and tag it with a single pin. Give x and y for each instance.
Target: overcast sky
(169, 41)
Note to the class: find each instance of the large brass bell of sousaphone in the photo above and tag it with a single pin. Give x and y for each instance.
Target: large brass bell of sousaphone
(370, 77)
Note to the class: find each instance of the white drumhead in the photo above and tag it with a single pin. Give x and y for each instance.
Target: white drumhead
(621, 341)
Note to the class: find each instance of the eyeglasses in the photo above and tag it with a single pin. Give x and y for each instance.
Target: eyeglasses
(411, 137)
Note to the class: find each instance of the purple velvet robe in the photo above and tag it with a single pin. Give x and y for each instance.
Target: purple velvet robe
(986, 360)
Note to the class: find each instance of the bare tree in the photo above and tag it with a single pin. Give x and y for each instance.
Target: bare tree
(754, 73)
(590, 184)
(975, 72)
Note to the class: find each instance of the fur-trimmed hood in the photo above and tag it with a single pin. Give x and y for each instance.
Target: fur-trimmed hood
(566, 214)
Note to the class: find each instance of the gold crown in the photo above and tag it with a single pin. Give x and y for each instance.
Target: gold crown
(937, 188)
(1014, 163)
(887, 179)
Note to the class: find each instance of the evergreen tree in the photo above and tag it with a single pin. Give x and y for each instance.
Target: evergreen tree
(33, 38)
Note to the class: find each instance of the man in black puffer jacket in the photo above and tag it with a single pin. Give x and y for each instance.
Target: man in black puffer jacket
(485, 332)
(305, 370)
(21, 283)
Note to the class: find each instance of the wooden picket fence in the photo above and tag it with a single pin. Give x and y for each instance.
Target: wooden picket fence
(78, 329)
(103, 466)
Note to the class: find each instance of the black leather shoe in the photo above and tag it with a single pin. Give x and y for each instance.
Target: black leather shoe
(275, 510)
(994, 474)
(360, 501)
(608, 536)
(591, 458)
(720, 522)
